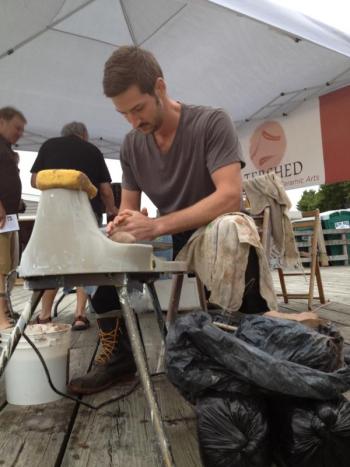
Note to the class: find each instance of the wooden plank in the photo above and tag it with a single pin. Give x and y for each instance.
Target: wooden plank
(335, 279)
(301, 243)
(34, 435)
(3, 401)
(178, 415)
(115, 435)
(335, 258)
(290, 307)
(121, 434)
(338, 242)
(303, 233)
(338, 307)
(334, 316)
(80, 360)
(180, 422)
(19, 296)
(340, 316)
(339, 311)
(336, 231)
(124, 435)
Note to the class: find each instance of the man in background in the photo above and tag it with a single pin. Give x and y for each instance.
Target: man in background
(73, 151)
(12, 123)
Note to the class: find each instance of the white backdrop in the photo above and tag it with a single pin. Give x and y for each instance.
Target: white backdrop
(240, 57)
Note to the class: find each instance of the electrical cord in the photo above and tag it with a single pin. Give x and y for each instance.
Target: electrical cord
(78, 399)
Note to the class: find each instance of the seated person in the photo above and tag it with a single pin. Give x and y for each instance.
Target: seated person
(188, 160)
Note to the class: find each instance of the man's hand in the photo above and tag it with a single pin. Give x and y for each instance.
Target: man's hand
(135, 223)
(2, 215)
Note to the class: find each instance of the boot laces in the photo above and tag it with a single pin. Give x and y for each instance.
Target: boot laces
(109, 341)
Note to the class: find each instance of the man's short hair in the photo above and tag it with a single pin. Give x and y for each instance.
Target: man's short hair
(8, 113)
(130, 65)
(74, 128)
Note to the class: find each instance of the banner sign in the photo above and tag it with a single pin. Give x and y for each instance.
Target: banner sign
(298, 147)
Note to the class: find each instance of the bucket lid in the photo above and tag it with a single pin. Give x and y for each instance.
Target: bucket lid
(37, 330)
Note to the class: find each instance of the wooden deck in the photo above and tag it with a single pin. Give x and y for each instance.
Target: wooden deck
(66, 433)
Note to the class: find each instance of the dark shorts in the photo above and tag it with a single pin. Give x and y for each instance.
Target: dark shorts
(179, 240)
(7, 240)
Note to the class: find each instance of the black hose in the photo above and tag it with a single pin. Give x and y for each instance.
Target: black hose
(78, 399)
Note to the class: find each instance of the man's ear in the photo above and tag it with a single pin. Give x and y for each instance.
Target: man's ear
(160, 87)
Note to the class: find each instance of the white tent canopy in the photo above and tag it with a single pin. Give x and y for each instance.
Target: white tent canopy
(249, 57)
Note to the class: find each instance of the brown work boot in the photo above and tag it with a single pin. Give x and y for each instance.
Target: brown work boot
(115, 362)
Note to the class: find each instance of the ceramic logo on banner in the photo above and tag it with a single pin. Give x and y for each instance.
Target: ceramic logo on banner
(291, 147)
(267, 146)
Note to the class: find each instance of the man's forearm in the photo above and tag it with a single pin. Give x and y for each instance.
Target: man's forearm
(130, 200)
(226, 198)
(199, 214)
(109, 205)
(142, 227)
(107, 198)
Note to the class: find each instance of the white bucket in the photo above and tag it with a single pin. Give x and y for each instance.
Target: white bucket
(25, 379)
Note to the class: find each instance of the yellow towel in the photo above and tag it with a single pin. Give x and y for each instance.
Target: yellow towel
(63, 178)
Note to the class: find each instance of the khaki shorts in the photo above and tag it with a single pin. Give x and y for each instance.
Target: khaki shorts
(8, 252)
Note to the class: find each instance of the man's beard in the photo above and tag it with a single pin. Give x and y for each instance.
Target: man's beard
(158, 119)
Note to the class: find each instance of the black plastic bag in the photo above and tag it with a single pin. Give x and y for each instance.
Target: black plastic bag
(330, 329)
(233, 432)
(201, 357)
(310, 433)
(191, 370)
(292, 341)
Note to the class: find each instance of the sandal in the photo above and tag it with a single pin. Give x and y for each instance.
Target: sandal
(80, 327)
(38, 320)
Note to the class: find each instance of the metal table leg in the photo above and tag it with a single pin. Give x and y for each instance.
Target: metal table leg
(171, 314)
(157, 309)
(19, 328)
(174, 298)
(134, 336)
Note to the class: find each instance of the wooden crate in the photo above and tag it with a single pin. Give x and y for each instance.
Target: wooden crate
(303, 241)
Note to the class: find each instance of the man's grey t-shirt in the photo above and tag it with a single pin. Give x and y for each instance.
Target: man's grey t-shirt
(205, 141)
